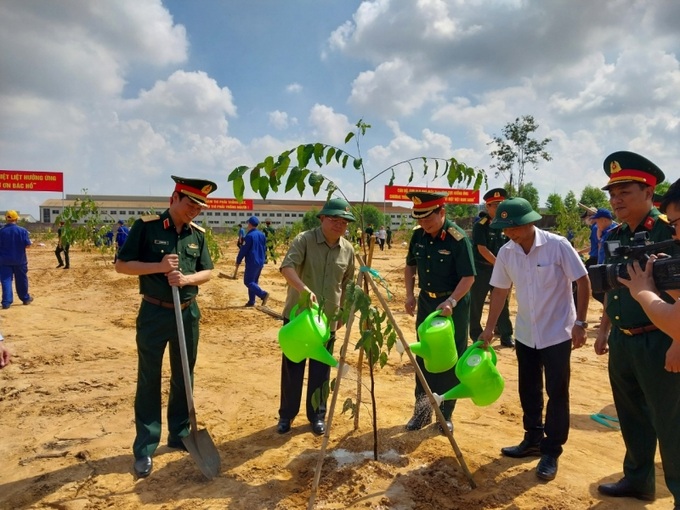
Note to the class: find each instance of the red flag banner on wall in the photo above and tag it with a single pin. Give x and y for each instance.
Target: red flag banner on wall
(455, 196)
(230, 204)
(28, 180)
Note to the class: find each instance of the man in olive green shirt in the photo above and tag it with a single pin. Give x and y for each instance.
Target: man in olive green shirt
(645, 394)
(319, 261)
(164, 251)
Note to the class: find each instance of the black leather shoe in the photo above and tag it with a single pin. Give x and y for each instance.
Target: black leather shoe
(524, 449)
(319, 428)
(175, 442)
(449, 425)
(284, 426)
(624, 489)
(507, 342)
(547, 467)
(143, 466)
(265, 298)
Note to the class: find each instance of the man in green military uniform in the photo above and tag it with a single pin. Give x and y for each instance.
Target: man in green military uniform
(164, 251)
(486, 242)
(645, 395)
(440, 253)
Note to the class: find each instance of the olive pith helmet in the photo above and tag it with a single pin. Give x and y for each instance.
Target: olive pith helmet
(337, 208)
(514, 212)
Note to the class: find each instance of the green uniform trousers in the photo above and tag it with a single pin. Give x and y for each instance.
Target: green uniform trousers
(647, 399)
(480, 289)
(444, 381)
(156, 327)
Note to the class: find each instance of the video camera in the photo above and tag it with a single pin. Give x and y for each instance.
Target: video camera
(665, 271)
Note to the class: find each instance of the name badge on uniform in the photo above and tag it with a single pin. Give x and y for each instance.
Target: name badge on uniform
(161, 241)
(192, 246)
(444, 252)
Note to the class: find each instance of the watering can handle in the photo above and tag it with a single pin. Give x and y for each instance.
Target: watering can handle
(480, 344)
(433, 315)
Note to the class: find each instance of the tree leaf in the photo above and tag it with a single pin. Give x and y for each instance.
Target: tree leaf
(318, 153)
(349, 136)
(330, 151)
(293, 178)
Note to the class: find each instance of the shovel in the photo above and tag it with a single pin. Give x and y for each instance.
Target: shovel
(198, 443)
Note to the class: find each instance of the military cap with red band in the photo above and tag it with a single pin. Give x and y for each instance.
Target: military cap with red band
(624, 166)
(425, 202)
(495, 195)
(196, 189)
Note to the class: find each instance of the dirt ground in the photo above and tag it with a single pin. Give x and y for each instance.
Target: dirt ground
(67, 416)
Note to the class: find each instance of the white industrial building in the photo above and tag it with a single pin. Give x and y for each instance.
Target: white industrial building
(279, 212)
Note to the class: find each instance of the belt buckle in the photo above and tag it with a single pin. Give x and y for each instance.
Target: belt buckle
(433, 295)
(626, 332)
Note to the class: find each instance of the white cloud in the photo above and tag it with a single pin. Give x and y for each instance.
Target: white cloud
(280, 120)
(294, 88)
(328, 126)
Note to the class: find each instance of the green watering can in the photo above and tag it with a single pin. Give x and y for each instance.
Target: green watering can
(436, 345)
(479, 378)
(306, 335)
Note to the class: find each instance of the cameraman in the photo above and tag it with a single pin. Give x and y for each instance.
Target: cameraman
(642, 288)
(645, 395)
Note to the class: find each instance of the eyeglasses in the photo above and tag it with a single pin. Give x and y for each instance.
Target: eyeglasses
(672, 224)
(335, 219)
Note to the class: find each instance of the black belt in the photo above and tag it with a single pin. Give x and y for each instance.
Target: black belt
(639, 330)
(434, 295)
(166, 304)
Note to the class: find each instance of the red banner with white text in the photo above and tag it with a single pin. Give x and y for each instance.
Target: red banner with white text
(230, 204)
(28, 180)
(455, 196)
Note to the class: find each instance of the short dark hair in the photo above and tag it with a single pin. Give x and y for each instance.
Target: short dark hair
(672, 196)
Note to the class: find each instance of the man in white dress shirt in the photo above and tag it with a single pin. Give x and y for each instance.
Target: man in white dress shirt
(542, 266)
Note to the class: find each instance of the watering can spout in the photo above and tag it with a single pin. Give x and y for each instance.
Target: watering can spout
(479, 378)
(420, 350)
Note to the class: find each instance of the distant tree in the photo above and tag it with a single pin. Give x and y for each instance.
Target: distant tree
(370, 215)
(554, 204)
(516, 149)
(309, 220)
(461, 210)
(570, 204)
(594, 197)
(529, 192)
(662, 188)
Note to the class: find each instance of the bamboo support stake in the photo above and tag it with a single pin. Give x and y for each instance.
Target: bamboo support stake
(360, 361)
(421, 377)
(334, 400)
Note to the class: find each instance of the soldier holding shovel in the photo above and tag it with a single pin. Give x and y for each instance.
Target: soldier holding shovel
(166, 251)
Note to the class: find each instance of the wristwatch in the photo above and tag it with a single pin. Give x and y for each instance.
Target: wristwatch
(452, 301)
(583, 324)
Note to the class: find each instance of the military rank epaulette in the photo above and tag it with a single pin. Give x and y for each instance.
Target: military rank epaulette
(150, 217)
(483, 221)
(417, 227)
(197, 227)
(455, 233)
(663, 218)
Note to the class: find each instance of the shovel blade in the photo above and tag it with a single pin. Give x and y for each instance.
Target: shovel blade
(202, 449)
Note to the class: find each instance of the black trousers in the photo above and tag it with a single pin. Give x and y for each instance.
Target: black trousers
(555, 363)
(292, 380)
(480, 289)
(442, 382)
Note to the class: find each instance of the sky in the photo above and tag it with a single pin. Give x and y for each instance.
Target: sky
(119, 95)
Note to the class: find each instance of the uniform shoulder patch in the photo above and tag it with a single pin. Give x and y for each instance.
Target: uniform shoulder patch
(483, 221)
(663, 217)
(150, 217)
(197, 227)
(455, 233)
